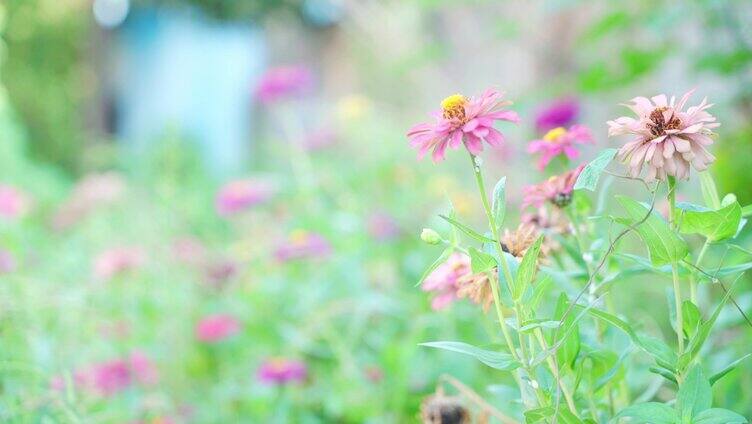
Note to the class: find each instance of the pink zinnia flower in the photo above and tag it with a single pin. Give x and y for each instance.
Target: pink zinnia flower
(444, 280)
(280, 371)
(284, 82)
(143, 368)
(107, 378)
(239, 195)
(382, 226)
(668, 139)
(7, 262)
(560, 141)
(559, 113)
(557, 190)
(215, 328)
(303, 244)
(117, 261)
(13, 203)
(462, 120)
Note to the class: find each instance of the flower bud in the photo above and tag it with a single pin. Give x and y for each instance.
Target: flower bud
(430, 236)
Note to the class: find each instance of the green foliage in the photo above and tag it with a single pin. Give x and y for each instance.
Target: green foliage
(498, 360)
(590, 175)
(716, 225)
(499, 203)
(663, 244)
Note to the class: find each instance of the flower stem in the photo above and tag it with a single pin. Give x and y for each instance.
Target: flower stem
(674, 270)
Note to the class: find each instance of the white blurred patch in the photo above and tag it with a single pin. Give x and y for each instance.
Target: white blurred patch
(110, 13)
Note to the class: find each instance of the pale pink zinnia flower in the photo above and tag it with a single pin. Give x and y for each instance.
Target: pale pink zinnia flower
(668, 139)
(284, 82)
(13, 203)
(215, 328)
(560, 141)
(557, 190)
(444, 280)
(117, 261)
(239, 195)
(280, 371)
(303, 244)
(462, 120)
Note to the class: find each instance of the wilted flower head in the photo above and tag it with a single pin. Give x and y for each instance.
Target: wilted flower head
(444, 280)
(518, 241)
(303, 244)
(477, 288)
(91, 192)
(462, 120)
(382, 226)
(557, 190)
(560, 141)
(668, 139)
(117, 261)
(215, 328)
(284, 82)
(559, 113)
(280, 371)
(13, 203)
(239, 195)
(7, 262)
(442, 409)
(550, 222)
(220, 271)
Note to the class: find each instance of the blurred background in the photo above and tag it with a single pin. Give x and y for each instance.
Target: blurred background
(209, 211)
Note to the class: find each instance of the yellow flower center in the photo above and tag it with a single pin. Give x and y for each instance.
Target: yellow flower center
(454, 107)
(298, 236)
(554, 134)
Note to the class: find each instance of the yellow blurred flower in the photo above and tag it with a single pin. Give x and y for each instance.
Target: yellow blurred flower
(353, 107)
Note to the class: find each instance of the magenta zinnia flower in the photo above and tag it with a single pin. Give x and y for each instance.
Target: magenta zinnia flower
(303, 244)
(118, 261)
(444, 280)
(239, 195)
(462, 120)
(557, 190)
(13, 203)
(215, 328)
(668, 139)
(559, 113)
(284, 82)
(560, 141)
(280, 371)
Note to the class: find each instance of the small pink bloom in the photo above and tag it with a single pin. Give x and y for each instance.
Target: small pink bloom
(7, 262)
(117, 261)
(108, 378)
(303, 244)
(560, 141)
(219, 272)
(189, 251)
(557, 190)
(216, 328)
(281, 371)
(239, 195)
(667, 139)
(374, 374)
(143, 368)
(284, 82)
(382, 226)
(463, 121)
(13, 203)
(444, 280)
(559, 113)
(91, 192)
(320, 139)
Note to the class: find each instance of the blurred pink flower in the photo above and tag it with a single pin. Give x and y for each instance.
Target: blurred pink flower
(560, 141)
(143, 368)
(462, 120)
(91, 192)
(239, 195)
(107, 378)
(303, 244)
(284, 82)
(382, 226)
(282, 371)
(668, 139)
(219, 272)
(13, 202)
(116, 261)
(215, 328)
(7, 262)
(189, 250)
(320, 139)
(559, 113)
(444, 280)
(557, 190)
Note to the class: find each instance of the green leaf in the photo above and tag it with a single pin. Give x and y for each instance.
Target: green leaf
(499, 203)
(480, 261)
(532, 324)
(544, 414)
(467, 230)
(649, 413)
(498, 360)
(526, 271)
(727, 369)
(570, 347)
(709, 191)
(695, 394)
(716, 225)
(718, 416)
(590, 175)
(664, 246)
(692, 318)
(440, 260)
(747, 211)
(663, 373)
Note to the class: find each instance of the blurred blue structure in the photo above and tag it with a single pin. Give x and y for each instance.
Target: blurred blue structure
(180, 73)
